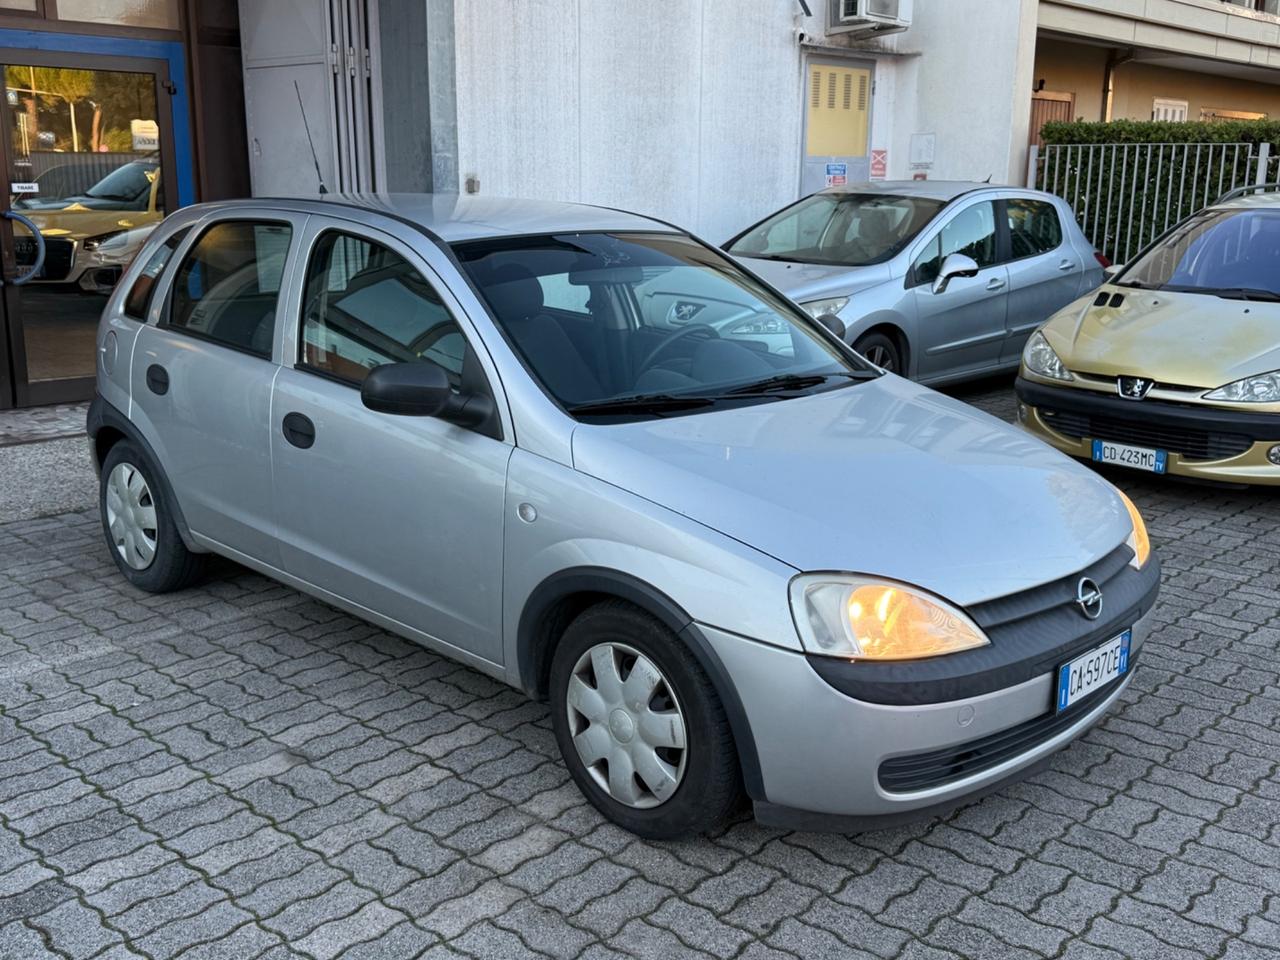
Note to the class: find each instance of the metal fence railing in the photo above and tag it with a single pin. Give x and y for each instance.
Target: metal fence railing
(1126, 194)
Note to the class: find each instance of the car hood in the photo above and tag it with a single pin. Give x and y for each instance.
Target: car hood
(76, 222)
(813, 281)
(1189, 339)
(885, 478)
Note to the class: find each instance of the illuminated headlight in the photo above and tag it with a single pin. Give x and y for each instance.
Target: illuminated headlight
(1264, 388)
(1039, 358)
(820, 308)
(860, 618)
(1138, 540)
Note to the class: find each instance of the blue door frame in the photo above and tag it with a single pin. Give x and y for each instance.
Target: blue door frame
(167, 50)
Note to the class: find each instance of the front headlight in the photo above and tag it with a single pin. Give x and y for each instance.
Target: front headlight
(93, 243)
(819, 308)
(860, 618)
(1039, 358)
(1138, 540)
(1264, 388)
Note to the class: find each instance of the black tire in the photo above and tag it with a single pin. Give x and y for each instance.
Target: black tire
(882, 350)
(172, 566)
(711, 786)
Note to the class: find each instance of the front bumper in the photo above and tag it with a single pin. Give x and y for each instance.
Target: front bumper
(820, 751)
(1218, 444)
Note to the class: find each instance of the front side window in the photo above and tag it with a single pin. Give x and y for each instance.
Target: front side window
(850, 229)
(667, 325)
(227, 287)
(1232, 253)
(138, 301)
(365, 306)
(1034, 227)
(971, 232)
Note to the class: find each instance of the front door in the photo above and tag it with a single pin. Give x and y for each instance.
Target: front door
(837, 126)
(87, 159)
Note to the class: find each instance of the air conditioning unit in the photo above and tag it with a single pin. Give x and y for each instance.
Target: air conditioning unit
(869, 18)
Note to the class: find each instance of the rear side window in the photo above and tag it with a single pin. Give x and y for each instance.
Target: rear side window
(227, 287)
(1034, 227)
(365, 305)
(137, 304)
(971, 232)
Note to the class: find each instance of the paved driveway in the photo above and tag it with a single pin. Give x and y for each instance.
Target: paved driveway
(241, 771)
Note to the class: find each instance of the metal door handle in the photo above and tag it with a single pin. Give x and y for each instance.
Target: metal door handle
(995, 283)
(39, 238)
(157, 379)
(1065, 265)
(299, 430)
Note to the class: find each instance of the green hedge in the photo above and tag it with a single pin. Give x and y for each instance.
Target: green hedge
(1128, 180)
(1163, 131)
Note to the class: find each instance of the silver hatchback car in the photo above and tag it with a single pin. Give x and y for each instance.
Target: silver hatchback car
(939, 281)
(474, 422)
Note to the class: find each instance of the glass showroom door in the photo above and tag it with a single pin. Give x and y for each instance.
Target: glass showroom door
(87, 156)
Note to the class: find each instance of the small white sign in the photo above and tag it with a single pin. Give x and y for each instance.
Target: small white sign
(146, 135)
(921, 151)
(19, 186)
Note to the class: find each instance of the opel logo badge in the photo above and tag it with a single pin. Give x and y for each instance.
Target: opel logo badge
(1133, 388)
(1090, 598)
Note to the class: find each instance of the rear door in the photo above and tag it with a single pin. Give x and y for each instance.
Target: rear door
(1045, 270)
(961, 330)
(400, 515)
(201, 377)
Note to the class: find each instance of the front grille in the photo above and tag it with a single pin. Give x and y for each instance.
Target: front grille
(58, 255)
(1191, 443)
(936, 768)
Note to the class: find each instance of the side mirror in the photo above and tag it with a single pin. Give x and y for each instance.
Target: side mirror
(1111, 272)
(422, 389)
(833, 323)
(956, 265)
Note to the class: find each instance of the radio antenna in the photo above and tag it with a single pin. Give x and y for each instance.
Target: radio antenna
(314, 159)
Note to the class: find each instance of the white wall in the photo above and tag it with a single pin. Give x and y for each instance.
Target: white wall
(689, 110)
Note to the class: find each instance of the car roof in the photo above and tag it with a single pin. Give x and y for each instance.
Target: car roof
(457, 217)
(1264, 200)
(932, 189)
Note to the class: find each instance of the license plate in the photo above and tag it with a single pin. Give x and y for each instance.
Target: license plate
(1139, 458)
(1089, 671)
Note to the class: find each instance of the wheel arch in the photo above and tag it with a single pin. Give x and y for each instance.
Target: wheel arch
(559, 598)
(894, 331)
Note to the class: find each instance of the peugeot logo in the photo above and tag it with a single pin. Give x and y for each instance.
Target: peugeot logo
(1090, 598)
(1133, 388)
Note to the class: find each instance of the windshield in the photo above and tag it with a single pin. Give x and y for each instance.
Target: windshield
(1233, 252)
(650, 324)
(849, 229)
(130, 183)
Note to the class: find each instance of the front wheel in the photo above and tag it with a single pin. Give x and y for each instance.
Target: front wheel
(640, 726)
(139, 525)
(881, 350)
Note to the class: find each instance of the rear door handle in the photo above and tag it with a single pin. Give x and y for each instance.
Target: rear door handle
(1066, 265)
(299, 430)
(157, 379)
(995, 283)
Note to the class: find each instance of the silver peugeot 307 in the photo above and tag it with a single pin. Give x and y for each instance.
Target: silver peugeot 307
(936, 280)
(733, 555)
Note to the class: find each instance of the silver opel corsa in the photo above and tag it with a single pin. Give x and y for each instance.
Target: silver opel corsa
(734, 556)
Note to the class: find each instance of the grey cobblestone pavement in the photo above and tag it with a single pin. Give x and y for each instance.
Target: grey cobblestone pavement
(42, 423)
(240, 771)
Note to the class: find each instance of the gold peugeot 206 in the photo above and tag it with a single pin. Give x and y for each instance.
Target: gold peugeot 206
(1173, 365)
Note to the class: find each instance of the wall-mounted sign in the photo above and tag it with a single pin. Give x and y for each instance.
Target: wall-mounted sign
(837, 174)
(921, 151)
(879, 164)
(146, 135)
(24, 187)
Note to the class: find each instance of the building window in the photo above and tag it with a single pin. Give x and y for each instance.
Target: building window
(1164, 108)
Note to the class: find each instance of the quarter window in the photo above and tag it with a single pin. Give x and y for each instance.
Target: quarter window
(227, 287)
(1034, 227)
(365, 306)
(138, 302)
(971, 232)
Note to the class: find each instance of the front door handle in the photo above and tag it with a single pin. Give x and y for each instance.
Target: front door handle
(995, 283)
(157, 380)
(299, 430)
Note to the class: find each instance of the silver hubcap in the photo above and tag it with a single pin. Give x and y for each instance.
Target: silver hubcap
(131, 516)
(626, 725)
(880, 357)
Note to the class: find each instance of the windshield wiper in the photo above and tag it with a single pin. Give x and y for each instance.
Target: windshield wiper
(1242, 293)
(795, 381)
(643, 403)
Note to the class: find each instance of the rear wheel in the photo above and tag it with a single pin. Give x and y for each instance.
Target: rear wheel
(139, 525)
(881, 350)
(640, 726)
